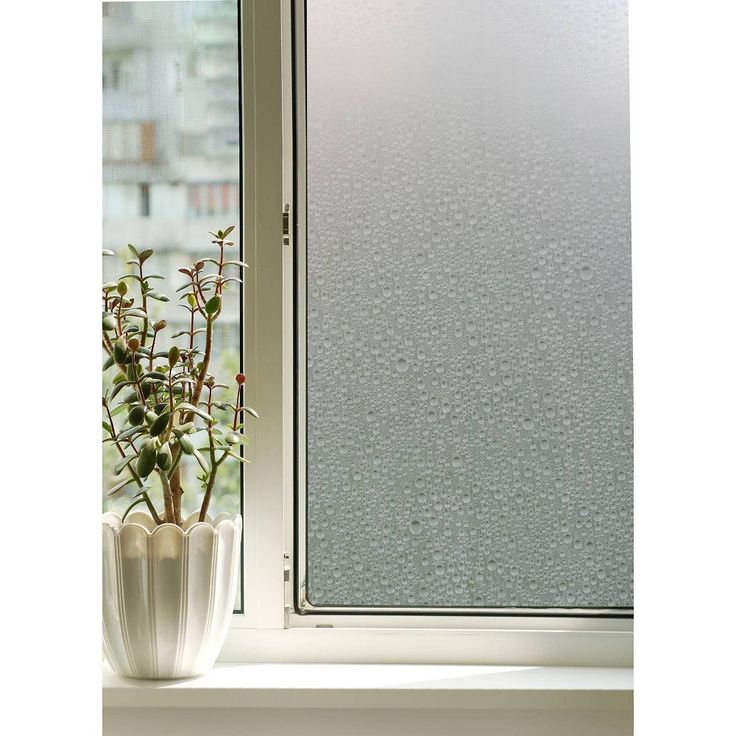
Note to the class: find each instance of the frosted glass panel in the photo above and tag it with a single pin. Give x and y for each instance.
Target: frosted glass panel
(468, 301)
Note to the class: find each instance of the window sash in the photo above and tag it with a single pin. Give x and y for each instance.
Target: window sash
(295, 149)
(272, 628)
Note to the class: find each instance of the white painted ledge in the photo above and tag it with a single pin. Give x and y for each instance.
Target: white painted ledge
(365, 686)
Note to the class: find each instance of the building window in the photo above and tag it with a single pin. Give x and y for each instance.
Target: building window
(115, 74)
(214, 199)
(145, 192)
(128, 141)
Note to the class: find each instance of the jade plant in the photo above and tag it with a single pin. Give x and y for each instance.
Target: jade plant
(163, 403)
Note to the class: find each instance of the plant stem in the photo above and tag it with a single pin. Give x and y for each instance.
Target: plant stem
(153, 347)
(168, 500)
(205, 362)
(143, 305)
(174, 464)
(195, 401)
(175, 484)
(191, 330)
(208, 491)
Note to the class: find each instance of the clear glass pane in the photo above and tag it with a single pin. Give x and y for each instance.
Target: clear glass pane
(469, 385)
(171, 170)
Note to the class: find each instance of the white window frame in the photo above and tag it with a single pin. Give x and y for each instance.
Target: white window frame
(270, 629)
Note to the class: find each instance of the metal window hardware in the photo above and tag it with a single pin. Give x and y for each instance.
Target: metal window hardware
(285, 224)
(288, 607)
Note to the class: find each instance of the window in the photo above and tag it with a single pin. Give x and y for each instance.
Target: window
(464, 352)
(437, 316)
(148, 179)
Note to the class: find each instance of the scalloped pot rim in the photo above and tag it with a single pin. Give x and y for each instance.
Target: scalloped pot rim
(144, 522)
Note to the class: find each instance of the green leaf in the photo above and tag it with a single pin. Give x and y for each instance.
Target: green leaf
(131, 431)
(146, 460)
(108, 322)
(133, 250)
(184, 406)
(237, 457)
(119, 351)
(107, 427)
(109, 363)
(134, 313)
(242, 264)
(228, 231)
(119, 387)
(208, 278)
(106, 252)
(155, 376)
(182, 428)
(119, 409)
(121, 464)
(212, 305)
(145, 255)
(158, 297)
(163, 458)
(131, 397)
(159, 425)
(173, 355)
(119, 486)
(187, 446)
(251, 411)
(200, 459)
(136, 415)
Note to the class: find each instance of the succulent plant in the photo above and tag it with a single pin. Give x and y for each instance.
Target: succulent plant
(162, 401)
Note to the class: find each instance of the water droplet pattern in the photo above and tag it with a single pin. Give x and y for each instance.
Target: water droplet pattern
(469, 356)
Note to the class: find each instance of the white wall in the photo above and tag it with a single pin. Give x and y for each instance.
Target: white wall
(354, 722)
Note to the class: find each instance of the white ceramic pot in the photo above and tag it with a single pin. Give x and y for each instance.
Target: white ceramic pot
(168, 593)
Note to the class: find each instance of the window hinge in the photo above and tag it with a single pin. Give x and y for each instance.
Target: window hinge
(285, 224)
(288, 607)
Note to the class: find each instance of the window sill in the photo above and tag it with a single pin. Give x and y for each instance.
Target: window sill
(341, 686)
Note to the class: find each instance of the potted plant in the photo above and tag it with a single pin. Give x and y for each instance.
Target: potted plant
(169, 582)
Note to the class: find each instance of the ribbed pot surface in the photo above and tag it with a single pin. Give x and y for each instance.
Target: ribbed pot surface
(168, 593)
